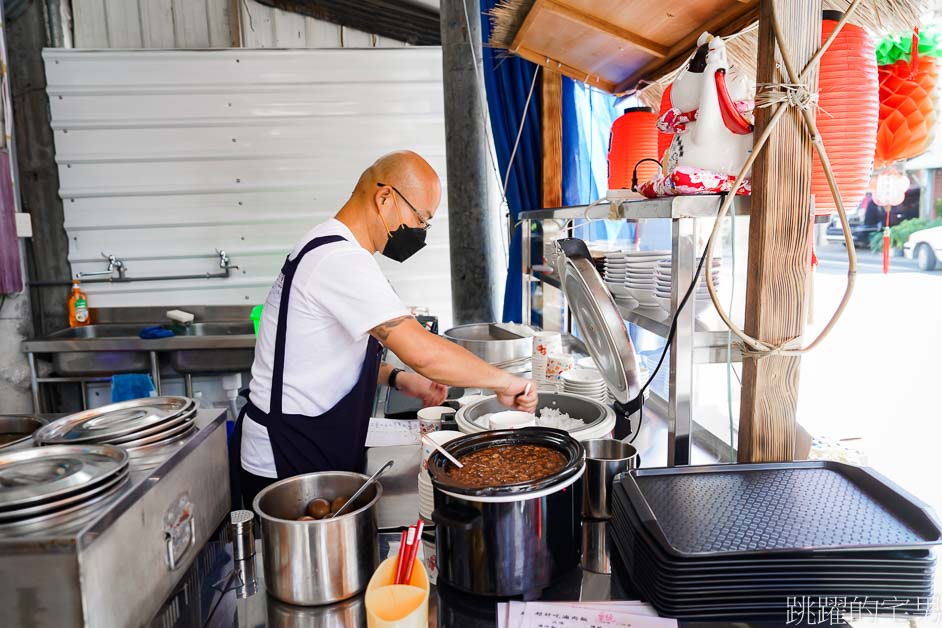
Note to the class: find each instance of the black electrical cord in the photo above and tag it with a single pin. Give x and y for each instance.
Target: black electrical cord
(639, 400)
(634, 172)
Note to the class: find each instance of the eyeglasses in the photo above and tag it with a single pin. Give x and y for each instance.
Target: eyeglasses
(425, 223)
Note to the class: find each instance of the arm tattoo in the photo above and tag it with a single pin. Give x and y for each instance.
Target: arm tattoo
(381, 332)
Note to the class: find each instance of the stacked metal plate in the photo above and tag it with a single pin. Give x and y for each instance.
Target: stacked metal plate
(139, 426)
(46, 487)
(757, 541)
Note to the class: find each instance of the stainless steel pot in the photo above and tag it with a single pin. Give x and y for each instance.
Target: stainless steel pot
(604, 459)
(309, 563)
(477, 339)
(16, 431)
(511, 540)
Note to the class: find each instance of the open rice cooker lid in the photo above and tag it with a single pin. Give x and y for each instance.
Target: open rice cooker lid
(599, 321)
(557, 440)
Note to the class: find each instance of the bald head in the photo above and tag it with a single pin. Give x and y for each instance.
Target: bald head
(407, 172)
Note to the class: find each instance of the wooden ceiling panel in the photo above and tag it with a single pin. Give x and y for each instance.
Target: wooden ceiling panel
(663, 22)
(603, 58)
(613, 44)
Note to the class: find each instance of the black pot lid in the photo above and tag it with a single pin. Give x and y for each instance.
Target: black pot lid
(599, 322)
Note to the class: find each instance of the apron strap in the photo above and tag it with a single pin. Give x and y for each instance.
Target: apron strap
(281, 333)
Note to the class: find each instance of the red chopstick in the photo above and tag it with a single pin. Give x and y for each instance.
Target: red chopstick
(399, 561)
(413, 552)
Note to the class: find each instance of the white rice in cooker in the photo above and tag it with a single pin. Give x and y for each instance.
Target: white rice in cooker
(551, 417)
(547, 417)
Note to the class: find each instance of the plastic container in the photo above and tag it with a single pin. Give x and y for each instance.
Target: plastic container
(391, 605)
(256, 317)
(78, 307)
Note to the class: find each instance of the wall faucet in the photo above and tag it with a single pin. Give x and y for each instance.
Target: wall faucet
(114, 264)
(224, 260)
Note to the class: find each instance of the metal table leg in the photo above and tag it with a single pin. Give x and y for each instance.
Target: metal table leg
(82, 387)
(34, 383)
(526, 313)
(155, 370)
(680, 408)
(188, 385)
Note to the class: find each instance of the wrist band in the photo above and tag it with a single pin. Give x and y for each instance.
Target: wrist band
(392, 378)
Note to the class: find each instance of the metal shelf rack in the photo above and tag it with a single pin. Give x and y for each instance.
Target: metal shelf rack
(698, 339)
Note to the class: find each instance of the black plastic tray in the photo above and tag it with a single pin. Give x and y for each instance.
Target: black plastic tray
(763, 579)
(775, 613)
(762, 509)
(706, 591)
(911, 563)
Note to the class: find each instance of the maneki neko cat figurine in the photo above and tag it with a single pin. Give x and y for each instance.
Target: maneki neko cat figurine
(710, 117)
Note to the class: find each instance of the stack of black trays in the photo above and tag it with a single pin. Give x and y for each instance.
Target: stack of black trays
(780, 541)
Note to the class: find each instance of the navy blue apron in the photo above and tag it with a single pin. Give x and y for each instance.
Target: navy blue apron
(333, 441)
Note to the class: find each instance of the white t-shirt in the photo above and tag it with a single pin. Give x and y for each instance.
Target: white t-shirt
(338, 295)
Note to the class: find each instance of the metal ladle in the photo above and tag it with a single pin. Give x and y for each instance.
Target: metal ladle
(359, 492)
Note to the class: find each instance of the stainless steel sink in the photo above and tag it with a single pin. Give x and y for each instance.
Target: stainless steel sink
(99, 363)
(105, 349)
(194, 361)
(218, 329)
(99, 331)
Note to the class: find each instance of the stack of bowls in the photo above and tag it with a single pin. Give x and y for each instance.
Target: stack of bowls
(630, 275)
(663, 280)
(586, 382)
(426, 499)
(139, 426)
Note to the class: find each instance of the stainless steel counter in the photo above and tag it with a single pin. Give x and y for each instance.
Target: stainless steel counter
(115, 566)
(247, 605)
(135, 343)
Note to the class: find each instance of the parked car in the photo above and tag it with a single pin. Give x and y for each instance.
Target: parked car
(870, 218)
(925, 247)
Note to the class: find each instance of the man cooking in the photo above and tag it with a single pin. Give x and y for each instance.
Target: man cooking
(317, 357)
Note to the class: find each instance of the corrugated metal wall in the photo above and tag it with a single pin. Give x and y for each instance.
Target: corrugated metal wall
(165, 156)
(206, 24)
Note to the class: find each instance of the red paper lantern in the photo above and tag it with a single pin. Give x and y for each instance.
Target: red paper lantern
(664, 139)
(848, 97)
(907, 109)
(633, 138)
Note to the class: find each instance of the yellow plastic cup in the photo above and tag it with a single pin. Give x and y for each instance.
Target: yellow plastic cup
(391, 605)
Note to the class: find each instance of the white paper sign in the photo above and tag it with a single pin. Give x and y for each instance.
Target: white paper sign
(392, 432)
(609, 614)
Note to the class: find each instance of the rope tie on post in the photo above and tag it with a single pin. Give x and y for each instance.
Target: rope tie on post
(780, 97)
(793, 95)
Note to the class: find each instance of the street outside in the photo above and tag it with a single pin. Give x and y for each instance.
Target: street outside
(878, 375)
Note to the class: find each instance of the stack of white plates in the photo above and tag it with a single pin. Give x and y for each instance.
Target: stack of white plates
(585, 382)
(663, 280)
(426, 496)
(630, 274)
(139, 426)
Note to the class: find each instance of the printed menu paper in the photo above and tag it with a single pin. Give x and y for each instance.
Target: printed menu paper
(614, 614)
(392, 432)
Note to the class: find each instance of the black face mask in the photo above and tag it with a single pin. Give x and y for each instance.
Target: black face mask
(404, 242)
